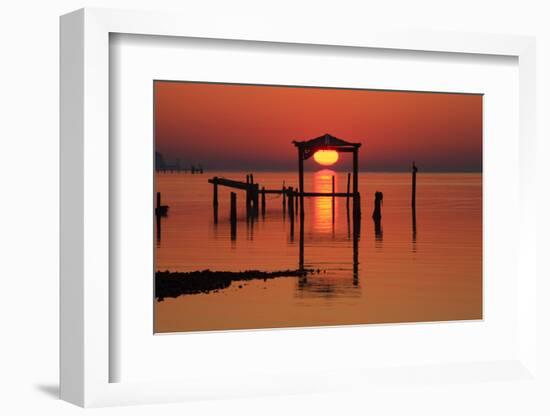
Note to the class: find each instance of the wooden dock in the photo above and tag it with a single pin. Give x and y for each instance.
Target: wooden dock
(254, 193)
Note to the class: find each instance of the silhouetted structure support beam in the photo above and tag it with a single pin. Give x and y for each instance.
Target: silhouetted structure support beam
(347, 197)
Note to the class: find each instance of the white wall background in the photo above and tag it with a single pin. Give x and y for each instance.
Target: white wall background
(29, 203)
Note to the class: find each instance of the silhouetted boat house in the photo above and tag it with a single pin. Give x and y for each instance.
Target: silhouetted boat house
(307, 148)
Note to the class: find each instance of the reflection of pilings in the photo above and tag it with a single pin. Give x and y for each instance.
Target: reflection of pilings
(347, 196)
(284, 198)
(158, 229)
(291, 211)
(296, 205)
(233, 215)
(301, 258)
(356, 232)
(414, 228)
(249, 196)
(356, 236)
(263, 201)
(378, 234)
(357, 212)
(413, 196)
(333, 200)
(377, 213)
(255, 197)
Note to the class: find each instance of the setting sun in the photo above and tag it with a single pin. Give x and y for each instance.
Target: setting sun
(326, 157)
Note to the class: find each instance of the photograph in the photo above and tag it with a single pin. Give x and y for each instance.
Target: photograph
(282, 206)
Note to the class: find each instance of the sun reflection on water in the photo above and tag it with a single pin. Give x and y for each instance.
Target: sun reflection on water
(324, 208)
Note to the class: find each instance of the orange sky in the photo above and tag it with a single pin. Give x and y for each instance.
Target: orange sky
(248, 127)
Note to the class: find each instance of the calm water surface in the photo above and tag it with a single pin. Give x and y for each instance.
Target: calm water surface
(431, 273)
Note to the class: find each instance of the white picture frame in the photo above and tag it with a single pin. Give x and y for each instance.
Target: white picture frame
(85, 213)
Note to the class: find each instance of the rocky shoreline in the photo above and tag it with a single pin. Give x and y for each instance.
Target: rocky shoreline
(173, 284)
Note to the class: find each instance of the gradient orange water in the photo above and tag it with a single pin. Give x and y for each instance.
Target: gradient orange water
(431, 275)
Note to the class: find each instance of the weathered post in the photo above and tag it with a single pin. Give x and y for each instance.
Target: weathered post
(291, 211)
(215, 198)
(290, 200)
(157, 215)
(255, 198)
(356, 227)
(233, 215)
(263, 201)
(301, 250)
(296, 210)
(377, 213)
(413, 200)
(301, 177)
(347, 193)
(356, 205)
(413, 197)
(284, 197)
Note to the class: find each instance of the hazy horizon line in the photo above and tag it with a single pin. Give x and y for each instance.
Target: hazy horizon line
(335, 170)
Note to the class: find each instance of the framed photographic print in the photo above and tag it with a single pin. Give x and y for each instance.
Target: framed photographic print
(262, 231)
(318, 201)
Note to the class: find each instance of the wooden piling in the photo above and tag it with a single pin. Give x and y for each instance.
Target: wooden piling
(255, 198)
(263, 201)
(233, 215)
(215, 192)
(348, 189)
(158, 202)
(356, 205)
(215, 199)
(413, 196)
(301, 177)
(377, 213)
(333, 200)
(284, 197)
(291, 211)
(290, 200)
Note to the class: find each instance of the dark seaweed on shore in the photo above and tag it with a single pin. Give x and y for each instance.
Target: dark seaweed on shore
(173, 284)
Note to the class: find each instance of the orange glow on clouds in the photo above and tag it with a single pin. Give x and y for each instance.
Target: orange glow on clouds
(326, 157)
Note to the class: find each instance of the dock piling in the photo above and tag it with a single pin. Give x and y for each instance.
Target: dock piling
(347, 196)
(263, 201)
(215, 198)
(291, 211)
(233, 215)
(413, 196)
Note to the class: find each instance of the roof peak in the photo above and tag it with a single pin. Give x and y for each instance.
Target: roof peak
(326, 139)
